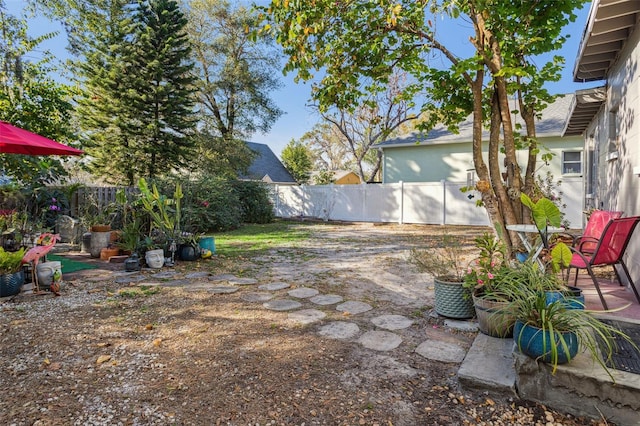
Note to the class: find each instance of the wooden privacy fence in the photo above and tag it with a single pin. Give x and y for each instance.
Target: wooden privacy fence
(97, 197)
(416, 202)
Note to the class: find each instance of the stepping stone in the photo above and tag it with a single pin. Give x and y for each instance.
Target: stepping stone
(164, 275)
(222, 289)
(326, 299)
(353, 307)
(436, 350)
(274, 286)
(130, 279)
(303, 292)
(125, 273)
(282, 305)
(223, 277)
(307, 316)
(461, 325)
(256, 297)
(380, 340)
(193, 275)
(199, 286)
(175, 283)
(340, 330)
(392, 322)
(243, 281)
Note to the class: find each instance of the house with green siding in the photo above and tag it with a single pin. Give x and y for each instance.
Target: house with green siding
(442, 155)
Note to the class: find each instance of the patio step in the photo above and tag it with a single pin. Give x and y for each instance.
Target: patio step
(581, 387)
(489, 365)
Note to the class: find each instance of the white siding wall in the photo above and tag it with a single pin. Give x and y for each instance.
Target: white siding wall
(617, 187)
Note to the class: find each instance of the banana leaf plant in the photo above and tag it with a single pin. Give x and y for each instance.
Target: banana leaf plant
(545, 213)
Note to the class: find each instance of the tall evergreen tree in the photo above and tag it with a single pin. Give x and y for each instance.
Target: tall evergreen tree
(103, 111)
(161, 87)
(133, 64)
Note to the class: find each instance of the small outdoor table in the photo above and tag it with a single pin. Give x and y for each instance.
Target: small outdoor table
(522, 230)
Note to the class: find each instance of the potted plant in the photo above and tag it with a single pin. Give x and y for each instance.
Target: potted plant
(447, 262)
(486, 276)
(189, 248)
(11, 272)
(557, 255)
(554, 333)
(130, 237)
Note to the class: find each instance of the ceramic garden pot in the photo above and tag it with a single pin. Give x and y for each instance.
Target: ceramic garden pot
(154, 258)
(493, 319)
(10, 284)
(452, 300)
(188, 252)
(536, 343)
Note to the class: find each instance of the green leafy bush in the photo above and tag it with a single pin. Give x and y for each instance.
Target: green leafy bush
(10, 262)
(210, 205)
(256, 203)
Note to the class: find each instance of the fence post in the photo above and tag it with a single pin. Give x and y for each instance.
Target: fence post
(363, 188)
(444, 202)
(401, 221)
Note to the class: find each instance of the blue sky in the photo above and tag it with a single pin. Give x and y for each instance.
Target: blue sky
(293, 98)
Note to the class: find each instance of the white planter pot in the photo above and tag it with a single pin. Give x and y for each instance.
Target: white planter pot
(45, 271)
(154, 258)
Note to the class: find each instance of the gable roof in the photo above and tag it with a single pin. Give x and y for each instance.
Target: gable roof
(266, 166)
(552, 123)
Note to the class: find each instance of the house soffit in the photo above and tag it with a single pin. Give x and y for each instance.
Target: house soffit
(584, 107)
(609, 26)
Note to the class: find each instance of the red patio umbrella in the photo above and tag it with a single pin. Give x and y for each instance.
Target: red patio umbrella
(14, 140)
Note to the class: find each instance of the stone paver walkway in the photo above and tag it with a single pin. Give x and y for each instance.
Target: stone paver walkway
(308, 307)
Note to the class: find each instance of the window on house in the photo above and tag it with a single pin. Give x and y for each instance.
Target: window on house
(571, 162)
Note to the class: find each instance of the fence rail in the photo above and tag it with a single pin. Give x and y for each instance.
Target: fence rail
(425, 202)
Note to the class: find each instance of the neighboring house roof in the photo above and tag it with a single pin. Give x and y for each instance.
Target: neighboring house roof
(608, 28)
(552, 123)
(266, 166)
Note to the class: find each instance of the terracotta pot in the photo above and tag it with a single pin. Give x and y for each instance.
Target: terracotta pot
(108, 252)
(100, 228)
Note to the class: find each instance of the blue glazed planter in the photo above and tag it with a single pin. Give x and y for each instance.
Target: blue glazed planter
(10, 284)
(534, 342)
(575, 300)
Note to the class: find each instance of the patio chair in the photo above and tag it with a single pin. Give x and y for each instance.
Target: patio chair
(587, 242)
(609, 250)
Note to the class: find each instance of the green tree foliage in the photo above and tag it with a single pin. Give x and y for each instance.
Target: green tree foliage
(99, 35)
(31, 100)
(236, 74)
(133, 64)
(161, 86)
(296, 158)
(358, 46)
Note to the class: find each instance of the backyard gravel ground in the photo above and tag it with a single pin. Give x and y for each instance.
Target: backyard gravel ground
(168, 348)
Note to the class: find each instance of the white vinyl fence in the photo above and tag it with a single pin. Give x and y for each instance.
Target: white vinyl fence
(425, 202)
